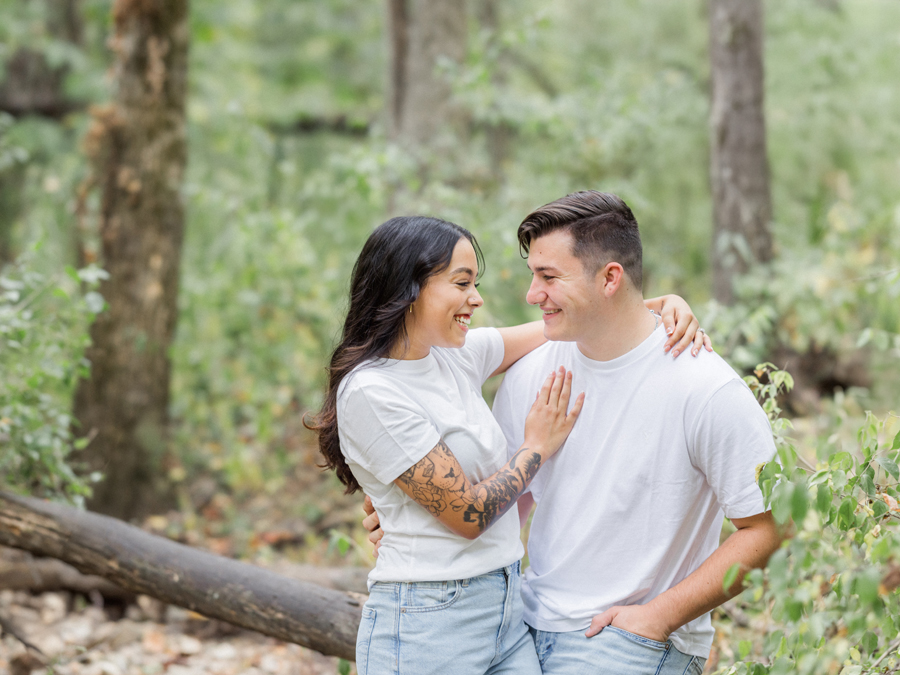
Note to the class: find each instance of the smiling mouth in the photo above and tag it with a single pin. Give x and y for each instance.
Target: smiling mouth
(550, 312)
(463, 319)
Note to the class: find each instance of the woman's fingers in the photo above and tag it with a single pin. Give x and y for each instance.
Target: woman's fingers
(566, 391)
(576, 409)
(544, 393)
(701, 339)
(556, 388)
(688, 336)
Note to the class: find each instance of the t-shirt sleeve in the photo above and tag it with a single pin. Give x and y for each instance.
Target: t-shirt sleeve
(481, 355)
(383, 430)
(731, 437)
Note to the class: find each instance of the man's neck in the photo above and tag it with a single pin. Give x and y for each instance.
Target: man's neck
(623, 329)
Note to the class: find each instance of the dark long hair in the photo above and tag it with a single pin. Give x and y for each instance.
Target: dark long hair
(395, 262)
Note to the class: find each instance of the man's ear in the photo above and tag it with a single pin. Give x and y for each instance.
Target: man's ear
(610, 278)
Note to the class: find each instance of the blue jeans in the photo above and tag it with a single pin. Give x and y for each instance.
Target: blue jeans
(612, 652)
(463, 627)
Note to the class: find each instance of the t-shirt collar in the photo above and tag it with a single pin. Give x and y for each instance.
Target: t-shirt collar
(653, 341)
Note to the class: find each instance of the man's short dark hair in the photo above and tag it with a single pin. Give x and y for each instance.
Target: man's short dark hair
(602, 226)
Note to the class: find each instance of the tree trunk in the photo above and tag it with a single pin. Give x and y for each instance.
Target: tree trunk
(739, 168)
(219, 588)
(138, 147)
(424, 33)
(32, 87)
(499, 135)
(398, 50)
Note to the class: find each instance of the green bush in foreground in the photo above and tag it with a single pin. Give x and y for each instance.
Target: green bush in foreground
(829, 596)
(43, 333)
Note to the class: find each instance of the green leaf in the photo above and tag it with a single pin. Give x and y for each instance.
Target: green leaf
(867, 484)
(782, 502)
(343, 667)
(846, 518)
(731, 577)
(824, 498)
(896, 444)
(744, 647)
(869, 642)
(879, 508)
(799, 503)
(890, 466)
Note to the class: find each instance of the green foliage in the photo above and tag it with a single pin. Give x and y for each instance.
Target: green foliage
(43, 334)
(830, 592)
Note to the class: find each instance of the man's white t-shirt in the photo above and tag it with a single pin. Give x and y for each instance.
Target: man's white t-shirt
(390, 415)
(633, 502)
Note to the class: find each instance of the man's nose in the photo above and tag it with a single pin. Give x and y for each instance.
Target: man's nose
(535, 294)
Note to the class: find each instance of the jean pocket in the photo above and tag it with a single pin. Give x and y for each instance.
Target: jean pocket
(428, 596)
(695, 667)
(639, 639)
(364, 639)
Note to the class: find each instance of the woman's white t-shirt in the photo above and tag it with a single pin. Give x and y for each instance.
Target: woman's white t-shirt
(390, 415)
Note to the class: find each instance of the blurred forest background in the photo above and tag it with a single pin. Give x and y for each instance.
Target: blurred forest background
(271, 137)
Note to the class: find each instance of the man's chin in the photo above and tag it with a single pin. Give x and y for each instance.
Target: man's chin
(554, 334)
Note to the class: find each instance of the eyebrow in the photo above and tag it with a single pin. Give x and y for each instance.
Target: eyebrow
(462, 270)
(542, 268)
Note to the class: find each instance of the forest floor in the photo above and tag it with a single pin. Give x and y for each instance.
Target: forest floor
(77, 638)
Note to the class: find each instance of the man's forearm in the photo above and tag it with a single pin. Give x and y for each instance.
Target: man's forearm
(702, 590)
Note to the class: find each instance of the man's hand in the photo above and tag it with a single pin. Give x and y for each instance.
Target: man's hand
(372, 524)
(638, 619)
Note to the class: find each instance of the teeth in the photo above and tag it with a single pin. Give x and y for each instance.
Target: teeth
(551, 311)
(464, 320)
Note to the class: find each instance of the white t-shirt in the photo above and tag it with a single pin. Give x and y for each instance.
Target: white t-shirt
(633, 502)
(390, 415)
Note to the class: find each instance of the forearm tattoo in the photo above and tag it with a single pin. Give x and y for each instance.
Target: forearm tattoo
(437, 483)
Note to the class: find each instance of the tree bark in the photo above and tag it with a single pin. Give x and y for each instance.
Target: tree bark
(137, 144)
(219, 588)
(398, 50)
(739, 168)
(423, 34)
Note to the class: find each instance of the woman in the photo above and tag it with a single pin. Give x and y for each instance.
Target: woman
(405, 421)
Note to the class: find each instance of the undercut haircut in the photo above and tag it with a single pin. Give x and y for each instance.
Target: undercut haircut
(603, 230)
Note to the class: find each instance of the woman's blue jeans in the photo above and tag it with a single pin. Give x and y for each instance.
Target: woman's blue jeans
(463, 627)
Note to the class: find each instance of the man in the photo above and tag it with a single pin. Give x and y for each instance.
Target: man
(625, 562)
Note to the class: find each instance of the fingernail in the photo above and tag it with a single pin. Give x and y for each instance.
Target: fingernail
(668, 347)
(675, 353)
(694, 352)
(669, 331)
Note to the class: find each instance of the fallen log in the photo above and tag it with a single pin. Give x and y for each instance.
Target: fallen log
(219, 588)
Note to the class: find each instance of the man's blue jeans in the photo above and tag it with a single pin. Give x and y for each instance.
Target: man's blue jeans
(612, 652)
(464, 627)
